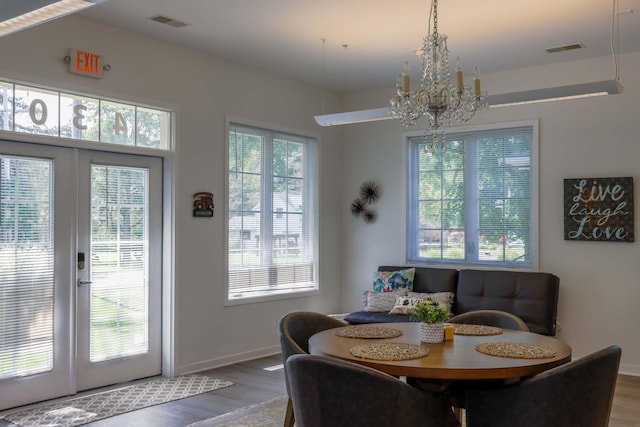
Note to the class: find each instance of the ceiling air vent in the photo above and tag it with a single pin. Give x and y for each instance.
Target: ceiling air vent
(565, 48)
(168, 21)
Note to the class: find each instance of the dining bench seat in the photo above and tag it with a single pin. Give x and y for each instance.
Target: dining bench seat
(532, 296)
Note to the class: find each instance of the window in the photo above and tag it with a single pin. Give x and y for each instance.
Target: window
(37, 111)
(477, 202)
(27, 282)
(272, 217)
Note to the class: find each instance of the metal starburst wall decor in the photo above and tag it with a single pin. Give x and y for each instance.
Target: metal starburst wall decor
(369, 194)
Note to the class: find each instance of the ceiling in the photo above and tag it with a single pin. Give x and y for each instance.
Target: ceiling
(366, 41)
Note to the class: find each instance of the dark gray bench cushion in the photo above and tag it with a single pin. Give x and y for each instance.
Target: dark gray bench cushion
(531, 296)
(361, 317)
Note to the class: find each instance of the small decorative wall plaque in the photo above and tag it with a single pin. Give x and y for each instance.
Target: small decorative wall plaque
(203, 204)
(598, 209)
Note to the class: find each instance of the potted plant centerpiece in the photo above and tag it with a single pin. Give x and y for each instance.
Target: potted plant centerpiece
(432, 315)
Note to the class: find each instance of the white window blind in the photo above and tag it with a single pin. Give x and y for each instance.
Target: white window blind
(272, 214)
(119, 262)
(26, 266)
(474, 203)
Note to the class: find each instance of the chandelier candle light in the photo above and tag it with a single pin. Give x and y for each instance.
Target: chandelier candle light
(441, 102)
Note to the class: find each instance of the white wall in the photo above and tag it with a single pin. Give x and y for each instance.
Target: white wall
(595, 137)
(202, 90)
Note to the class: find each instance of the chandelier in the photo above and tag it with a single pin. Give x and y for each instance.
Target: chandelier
(442, 103)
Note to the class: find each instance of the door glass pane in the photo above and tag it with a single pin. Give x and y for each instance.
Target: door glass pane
(26, 266)
(119, 262)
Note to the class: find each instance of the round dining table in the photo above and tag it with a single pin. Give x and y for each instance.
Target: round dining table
(456, 359)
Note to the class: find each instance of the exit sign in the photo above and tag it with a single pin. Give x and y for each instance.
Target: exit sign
(85, 63)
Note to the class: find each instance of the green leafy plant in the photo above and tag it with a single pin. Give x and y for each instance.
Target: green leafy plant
(429, 311)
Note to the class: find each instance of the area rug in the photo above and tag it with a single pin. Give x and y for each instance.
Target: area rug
(266, 414)
(82, 410)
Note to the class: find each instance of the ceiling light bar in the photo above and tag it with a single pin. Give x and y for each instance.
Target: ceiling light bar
(20, 14)
(359, 116)
(558, 93)
(579, 90)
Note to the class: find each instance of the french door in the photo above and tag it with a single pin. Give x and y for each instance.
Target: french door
(80, 272)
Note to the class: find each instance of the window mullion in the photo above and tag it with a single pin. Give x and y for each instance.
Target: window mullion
(471, 198)
(266, 202)
(308, 204)
(413, 203)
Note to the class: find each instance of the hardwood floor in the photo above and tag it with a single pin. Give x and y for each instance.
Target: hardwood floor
(253, 384)
(626, 402)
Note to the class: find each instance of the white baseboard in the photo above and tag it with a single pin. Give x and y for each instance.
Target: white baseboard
(629, 370)
(226, 360)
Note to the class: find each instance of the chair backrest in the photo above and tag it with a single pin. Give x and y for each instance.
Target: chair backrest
(429, 280)
(329, 392)
(532, 296)
(296, 328)
(497, 318)
(576, 394)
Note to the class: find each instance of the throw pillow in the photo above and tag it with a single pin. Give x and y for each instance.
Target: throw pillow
(391, 281)
(380, 301)
(441, 297)
(404, 305)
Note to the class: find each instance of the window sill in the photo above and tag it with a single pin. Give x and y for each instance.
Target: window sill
(271, 296)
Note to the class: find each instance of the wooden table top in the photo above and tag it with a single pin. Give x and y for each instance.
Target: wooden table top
(456, 359)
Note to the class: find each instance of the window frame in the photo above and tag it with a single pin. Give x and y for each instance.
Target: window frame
(309, 219)
(472, 261)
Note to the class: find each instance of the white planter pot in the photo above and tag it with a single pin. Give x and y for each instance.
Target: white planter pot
(431, 332)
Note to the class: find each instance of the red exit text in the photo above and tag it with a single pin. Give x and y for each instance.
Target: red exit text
(85, 63)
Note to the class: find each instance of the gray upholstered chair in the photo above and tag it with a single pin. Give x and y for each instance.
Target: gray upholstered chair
(576, 394)
(295, 329)
(329, 392)
(456, 390)
(498, 318)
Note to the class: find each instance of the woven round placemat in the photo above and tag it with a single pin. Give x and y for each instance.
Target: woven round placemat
(464, 329)
(516, 350)
(389, 351)
(368, 332)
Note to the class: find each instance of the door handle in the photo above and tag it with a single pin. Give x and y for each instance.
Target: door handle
(82, 283)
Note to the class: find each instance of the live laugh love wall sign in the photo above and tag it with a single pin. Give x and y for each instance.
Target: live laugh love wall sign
(598, 209)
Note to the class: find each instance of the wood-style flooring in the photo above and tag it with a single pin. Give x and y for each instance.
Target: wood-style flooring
(626, 402)
(254, 384)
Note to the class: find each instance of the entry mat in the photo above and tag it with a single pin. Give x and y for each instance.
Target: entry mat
(95, 407)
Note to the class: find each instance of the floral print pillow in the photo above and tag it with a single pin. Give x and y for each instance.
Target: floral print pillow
(392, 281)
